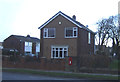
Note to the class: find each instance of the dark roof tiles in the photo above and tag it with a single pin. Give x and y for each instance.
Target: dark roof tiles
(29, 39)
(61, 13)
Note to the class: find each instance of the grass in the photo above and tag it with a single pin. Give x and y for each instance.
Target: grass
(114, 64)
(68, 75)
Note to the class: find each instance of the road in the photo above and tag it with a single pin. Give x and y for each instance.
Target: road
(20, 76)
(24, 77)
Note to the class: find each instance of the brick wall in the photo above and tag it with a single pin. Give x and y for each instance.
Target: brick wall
(43, 64)
(82, 64)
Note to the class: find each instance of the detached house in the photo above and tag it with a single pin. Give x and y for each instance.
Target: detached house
(24, 45)
(1, 47)
(63, 36)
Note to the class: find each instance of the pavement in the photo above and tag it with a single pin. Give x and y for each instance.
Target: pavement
(67, 72)
(20, 76)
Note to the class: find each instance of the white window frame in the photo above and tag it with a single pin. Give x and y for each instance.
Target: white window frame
(74, 29)
(46, 30)
(28, 47)
(89, 38)
(63, 50)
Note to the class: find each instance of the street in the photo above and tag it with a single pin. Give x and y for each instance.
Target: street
(20, 76)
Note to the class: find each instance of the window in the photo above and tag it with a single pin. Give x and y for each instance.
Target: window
(71, 32)
(49, 33)
(89, 38)
(28, 43)
(37, 47)
(59, 52)
(28, 46)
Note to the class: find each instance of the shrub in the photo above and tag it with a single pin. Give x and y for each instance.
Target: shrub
(29, 58)
(9, 52)
(13, 58)
(94, 61)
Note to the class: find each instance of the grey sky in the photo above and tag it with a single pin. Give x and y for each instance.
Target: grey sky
(22, 17)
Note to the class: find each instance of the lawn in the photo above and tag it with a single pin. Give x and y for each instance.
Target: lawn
(114, 64)
(68, 75)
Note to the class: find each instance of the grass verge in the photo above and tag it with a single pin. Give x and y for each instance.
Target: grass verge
(68, 75)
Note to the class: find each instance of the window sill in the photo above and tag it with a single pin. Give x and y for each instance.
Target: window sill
(57, 58)
(71, 37)
(49, 37)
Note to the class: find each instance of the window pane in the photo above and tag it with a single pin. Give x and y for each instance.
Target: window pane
(60, 53)
(30, 43)
(65, 48)
(69, 32)
(26, 43)
(65, 53)
(89, 38)
(56, 48)
(45, 34)
(56, 53)
(61, 48)
(53, 54)
(51, 32)
(75, 33)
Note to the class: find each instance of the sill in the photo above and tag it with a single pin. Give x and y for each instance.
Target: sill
(48, 37)
(57, 58)
(71, 37)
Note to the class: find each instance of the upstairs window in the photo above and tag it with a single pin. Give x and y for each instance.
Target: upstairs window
(28, 44)
(49, 33)
(89, 38)
(71, 32)
(28, 47)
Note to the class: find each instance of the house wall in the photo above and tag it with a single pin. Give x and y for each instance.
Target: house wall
(83, 47)
(34, 48)
(59, 40)
(12, 43)
(76, 46)
(1, 48)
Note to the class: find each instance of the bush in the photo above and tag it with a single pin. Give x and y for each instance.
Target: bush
(14, 58)
(94, 61)
(29, 58)
(9, 52)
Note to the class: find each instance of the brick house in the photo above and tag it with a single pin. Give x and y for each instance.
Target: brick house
(1, 48)
(24, 45)
(63, 36)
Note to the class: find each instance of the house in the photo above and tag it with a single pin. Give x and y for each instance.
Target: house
(1, 47)
(63, 36)
(24, 45)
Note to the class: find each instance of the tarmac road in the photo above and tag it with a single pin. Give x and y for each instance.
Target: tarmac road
(20, 76)
(13, 77)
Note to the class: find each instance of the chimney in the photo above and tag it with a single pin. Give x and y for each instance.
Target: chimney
(74, 17)
(28, 35)
(86, 26)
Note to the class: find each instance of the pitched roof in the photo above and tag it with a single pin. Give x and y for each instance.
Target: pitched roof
(26, 38)
(67, 17)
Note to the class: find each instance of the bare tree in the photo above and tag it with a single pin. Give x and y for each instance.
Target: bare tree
(108, 29)
(103, 32)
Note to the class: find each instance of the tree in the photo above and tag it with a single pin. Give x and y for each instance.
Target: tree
(109, 29)
(103, 33)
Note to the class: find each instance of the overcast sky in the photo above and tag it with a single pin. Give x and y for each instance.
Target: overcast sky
(22, 17)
